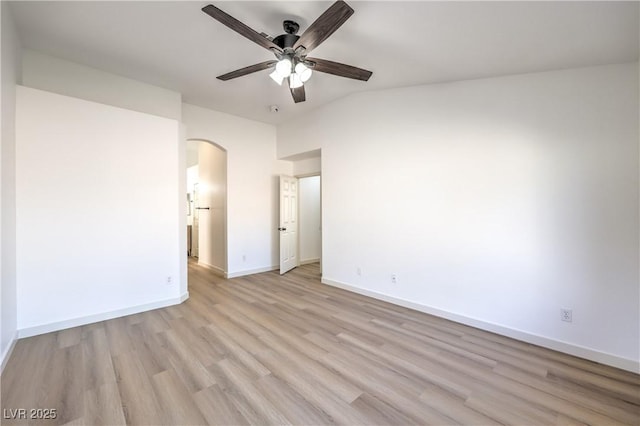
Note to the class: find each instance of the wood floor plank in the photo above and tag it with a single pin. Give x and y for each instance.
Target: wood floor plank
(472, 354)
(342, 388)
(313, 391)
(69, 337)
(455, 407)
(237, 397)
(272, 349)
(377, 384)
(244, 357)
(103, 406)
(96, 361)
(149, 349)
(291, 403)
(381, 413)
(139, 401)
(193, 374)
(248, 341)
(217, 408)
(502, 412)
(370, 360)
(237, 376)
(193, 339)
(404, 367)
(177, 404)
(22, 380)
(64, 384)
(621, 411)
(119, 338)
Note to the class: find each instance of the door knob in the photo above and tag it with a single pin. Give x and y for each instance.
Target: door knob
(282, 229)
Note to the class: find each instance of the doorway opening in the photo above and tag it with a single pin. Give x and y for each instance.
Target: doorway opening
(207, 204)
(310, 219)
(300, 225)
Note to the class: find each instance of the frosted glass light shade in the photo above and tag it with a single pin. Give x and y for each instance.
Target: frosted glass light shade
(303, 71)
(275, 76)
(295, 81)
(284, 68)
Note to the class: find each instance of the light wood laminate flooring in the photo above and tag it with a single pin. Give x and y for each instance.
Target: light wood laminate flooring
(266, 349)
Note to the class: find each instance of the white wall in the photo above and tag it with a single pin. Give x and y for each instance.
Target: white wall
(309, 219)
(307, 166)
(252, 185)
(57, 75)
(192, 179)
(99, 211)
(212, 192)
(497, 202)
(9, 75)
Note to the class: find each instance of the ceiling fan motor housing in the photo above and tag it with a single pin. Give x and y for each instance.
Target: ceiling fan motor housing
(289, 38)
(284, 41)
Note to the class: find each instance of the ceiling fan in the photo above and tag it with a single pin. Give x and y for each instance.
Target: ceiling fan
(292, 63)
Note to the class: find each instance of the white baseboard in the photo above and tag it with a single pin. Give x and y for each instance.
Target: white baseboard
(308, 261)
(557, 345)
(216, 270)
(75, 322)
(220, 272)
(252, 271)
(7, 352)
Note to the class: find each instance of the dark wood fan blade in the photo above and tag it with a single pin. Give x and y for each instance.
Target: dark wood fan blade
(324, 26)
(247, 70)
(239, 27)
(298, 94)
(342, 70)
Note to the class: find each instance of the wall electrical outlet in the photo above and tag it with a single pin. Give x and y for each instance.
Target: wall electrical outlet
(244, 257)
(169, 279)
(394, 279)
(566, 315)
(358, 271)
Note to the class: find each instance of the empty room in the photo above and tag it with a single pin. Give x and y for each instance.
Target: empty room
(320, 212)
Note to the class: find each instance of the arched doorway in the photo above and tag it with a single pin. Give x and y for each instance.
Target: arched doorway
(207, 198)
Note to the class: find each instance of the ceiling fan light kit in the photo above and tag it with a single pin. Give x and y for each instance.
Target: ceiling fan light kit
(277, 77)
(283, 67)
(303, 71)
(291, 50)
(295, 81)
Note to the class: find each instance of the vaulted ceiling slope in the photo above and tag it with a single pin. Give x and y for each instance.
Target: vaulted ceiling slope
(176, 46)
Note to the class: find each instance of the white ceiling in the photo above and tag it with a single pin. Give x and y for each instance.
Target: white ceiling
(176, 46)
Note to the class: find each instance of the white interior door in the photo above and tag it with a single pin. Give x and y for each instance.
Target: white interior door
(288, 223)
